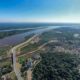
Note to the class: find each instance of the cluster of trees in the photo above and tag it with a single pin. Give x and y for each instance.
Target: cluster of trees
(5, 69)
(57, 66)
(24, 68)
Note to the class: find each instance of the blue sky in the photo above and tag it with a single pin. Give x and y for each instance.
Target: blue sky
(39, 10)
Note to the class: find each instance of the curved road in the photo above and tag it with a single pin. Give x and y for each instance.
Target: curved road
(13, 50)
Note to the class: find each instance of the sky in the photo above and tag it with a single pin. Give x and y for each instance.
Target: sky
(40, 11)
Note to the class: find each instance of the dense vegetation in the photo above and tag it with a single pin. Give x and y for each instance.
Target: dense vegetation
(10, 33)
(57, 66)
(53, 66)
(5, 63)
(5, 69)
(61, 34)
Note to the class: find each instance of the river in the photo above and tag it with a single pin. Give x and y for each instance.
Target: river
(16, 39)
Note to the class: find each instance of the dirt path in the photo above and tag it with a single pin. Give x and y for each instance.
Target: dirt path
(29, 74)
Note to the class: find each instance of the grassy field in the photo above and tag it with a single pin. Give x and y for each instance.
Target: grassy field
(4, 51)
(11, 76)
(5, 62)
(29, 48)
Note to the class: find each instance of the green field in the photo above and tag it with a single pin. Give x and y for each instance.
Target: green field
(29, 48)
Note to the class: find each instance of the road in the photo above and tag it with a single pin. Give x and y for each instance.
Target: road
(16, 70)
(14, 52)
